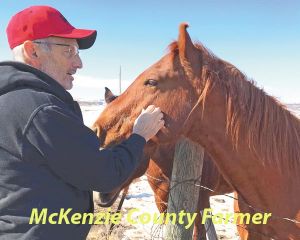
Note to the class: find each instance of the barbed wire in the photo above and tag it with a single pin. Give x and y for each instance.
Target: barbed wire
(158, 228)
(196, 182)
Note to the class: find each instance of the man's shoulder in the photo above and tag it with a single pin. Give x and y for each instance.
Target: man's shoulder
(20, 105)
(29, 99)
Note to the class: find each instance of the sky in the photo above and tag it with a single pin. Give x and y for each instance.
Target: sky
(259, 37)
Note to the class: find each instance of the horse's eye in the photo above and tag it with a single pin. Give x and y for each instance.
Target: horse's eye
(151, 82)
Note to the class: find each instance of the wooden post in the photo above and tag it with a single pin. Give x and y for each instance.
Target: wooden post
(183, 195)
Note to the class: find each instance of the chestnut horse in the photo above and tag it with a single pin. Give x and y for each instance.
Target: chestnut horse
(252, 138)
(159, 173)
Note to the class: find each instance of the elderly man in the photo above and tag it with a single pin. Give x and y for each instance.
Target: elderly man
(49, 161)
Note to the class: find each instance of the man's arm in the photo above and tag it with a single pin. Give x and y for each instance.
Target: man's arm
(71, 150)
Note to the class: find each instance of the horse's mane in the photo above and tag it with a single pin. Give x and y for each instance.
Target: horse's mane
(271, 131)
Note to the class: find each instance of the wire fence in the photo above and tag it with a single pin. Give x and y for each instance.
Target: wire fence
(196, 182)
(157, 230)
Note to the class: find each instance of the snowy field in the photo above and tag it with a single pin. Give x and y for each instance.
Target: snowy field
(141, 197)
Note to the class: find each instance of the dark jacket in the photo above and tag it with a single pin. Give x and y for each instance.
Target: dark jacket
(48, 158)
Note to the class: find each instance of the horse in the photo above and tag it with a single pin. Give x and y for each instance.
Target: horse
(159, 172)
(251, 137)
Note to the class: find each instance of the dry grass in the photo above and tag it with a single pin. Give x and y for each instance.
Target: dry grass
(101, 231)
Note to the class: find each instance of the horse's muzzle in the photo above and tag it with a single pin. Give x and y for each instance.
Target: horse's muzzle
(108, 199)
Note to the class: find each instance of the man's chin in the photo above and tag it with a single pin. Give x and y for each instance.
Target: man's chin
(68, 84)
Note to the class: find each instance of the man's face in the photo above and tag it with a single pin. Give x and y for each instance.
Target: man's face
(59, 62)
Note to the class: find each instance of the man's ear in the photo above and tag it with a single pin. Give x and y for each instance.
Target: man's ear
(31, 55)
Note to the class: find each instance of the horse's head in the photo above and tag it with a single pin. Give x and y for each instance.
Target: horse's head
(172, 84)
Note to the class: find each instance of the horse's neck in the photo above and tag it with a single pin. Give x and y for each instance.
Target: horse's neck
(239, 166)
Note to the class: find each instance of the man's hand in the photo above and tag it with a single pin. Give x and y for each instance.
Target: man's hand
(149, 122)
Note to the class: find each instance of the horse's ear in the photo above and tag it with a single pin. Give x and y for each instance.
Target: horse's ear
(109, 96)
(189, 55)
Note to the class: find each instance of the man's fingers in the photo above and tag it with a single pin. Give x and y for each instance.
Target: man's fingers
(157, 109)
(149, 122)
(150, 108)
(160, 116)
(161, 123)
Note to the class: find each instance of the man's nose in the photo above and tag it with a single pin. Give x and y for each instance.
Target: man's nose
(77, 62)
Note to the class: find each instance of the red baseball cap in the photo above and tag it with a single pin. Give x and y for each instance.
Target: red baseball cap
(38, 22)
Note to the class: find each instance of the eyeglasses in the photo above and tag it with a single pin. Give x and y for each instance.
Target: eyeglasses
(72, 50)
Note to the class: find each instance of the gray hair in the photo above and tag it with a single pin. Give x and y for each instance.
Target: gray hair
(18, 51)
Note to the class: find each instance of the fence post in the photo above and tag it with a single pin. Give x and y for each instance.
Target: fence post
(183, 195)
